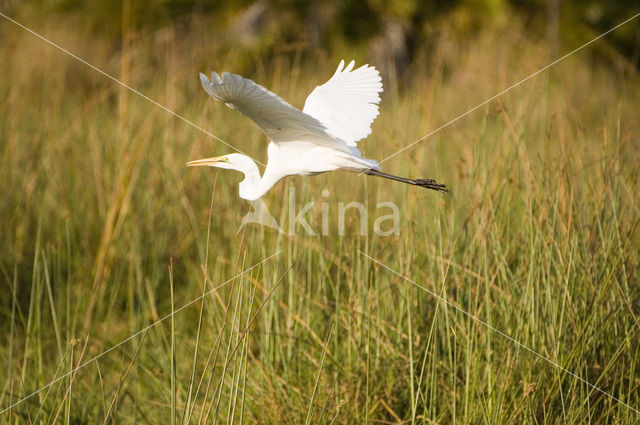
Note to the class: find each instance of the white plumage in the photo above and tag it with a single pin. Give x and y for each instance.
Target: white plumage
(341, 110)
(347, 104)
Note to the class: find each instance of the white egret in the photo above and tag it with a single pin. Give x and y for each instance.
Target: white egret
(320, 138)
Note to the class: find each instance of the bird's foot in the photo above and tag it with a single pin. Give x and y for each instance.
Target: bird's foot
(432, 184)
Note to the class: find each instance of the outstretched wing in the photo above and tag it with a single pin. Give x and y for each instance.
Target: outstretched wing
(280, 121)
(347, 104)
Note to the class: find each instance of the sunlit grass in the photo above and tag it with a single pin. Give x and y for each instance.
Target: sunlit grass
(104, 231)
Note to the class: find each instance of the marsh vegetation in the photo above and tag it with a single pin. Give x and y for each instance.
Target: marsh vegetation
(104, 231)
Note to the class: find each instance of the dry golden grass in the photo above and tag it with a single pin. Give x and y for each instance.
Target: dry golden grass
(539, 238)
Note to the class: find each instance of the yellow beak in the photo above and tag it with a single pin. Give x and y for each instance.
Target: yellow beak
(207, 161)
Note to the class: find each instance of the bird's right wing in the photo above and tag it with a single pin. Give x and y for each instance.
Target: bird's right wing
(280, 121)
(347, 104)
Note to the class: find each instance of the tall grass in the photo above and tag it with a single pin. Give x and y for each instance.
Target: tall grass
(104, 231)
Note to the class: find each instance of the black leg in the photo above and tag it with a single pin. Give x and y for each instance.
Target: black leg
(427, 183)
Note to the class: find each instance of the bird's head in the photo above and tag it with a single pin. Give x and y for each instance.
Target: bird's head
(249, 187)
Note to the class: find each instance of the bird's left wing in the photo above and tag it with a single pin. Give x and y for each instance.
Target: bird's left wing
(347, 104)
(280, 121)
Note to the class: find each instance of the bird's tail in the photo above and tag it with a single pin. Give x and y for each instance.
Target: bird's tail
(356, 156)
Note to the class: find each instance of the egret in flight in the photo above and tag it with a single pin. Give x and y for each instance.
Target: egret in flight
(320, 138)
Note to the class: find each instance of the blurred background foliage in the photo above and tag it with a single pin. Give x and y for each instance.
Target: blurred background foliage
(392, 33)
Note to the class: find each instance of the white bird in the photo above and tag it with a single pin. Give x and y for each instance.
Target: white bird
(320, 138)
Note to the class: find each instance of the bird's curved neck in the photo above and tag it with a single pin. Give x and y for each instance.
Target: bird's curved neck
(254, 186)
